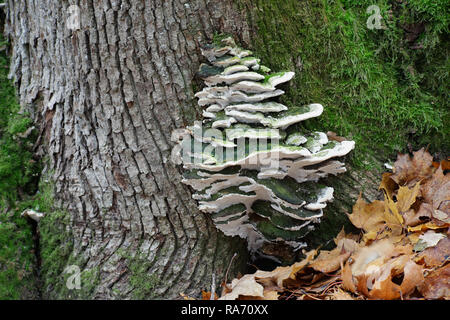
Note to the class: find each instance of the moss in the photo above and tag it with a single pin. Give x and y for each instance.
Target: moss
(19, 174)
(375, 86)
(57, 245)
(142, 280)
(17, 259)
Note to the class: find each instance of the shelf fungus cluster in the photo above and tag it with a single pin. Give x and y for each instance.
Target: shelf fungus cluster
(251, 167)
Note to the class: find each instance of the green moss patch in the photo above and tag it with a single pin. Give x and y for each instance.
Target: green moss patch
(383, 88)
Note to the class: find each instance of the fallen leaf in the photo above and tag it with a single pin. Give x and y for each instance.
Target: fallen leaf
(428, 239)
(340, 295)
(436, 256)
(437, 284)
(382, 287)
(206, 295)
(440, 215)
(271, 295)
(387, 184)
(329, 261)
(406, 197)
(429, 225)
(444, 164)
(333, 136)
(245, 286)
(347, 278)
(368, 216)
(413, 237)
(413, 218)
(413, 277)
(371, 258)
(281, 274)
(436, 191)
(410, 170)
(392, 216)
(348, 242)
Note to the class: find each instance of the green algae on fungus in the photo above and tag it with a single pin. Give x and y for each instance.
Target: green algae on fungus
(256, 181)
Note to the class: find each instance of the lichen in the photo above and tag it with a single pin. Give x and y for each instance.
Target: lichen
(256, 181)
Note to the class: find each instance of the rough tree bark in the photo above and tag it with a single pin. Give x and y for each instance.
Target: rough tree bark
(106, 98)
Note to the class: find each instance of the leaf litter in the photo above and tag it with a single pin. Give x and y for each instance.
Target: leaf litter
(402, 252)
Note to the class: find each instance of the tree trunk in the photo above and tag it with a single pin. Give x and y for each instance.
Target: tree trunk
(106, 98)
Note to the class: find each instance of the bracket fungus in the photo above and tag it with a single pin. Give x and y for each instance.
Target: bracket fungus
(250, 167)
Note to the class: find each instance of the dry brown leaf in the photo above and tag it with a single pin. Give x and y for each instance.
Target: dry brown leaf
(445, 164)
(436, 256)
(245, 286)
(271, 295)
(437, 284)
(433, 225)
(329, 261)
(406, 197)
(340, 295)
(387, 184)
(436, 191)
(374, 267)
(206, 295)
(368, 216)
(381, 286)
(348, 242)
(384, 289)
(394, 220)
(347, 278)
(276, 276)
(410, 170)
(440, 215)
(413, 237)
(281, 274)
(430, 239)
(413, 218)
(413, 277)
(371, 258)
